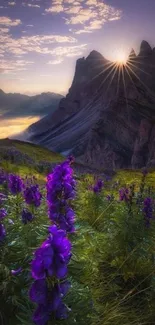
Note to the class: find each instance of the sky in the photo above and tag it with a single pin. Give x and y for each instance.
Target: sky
(40, 40)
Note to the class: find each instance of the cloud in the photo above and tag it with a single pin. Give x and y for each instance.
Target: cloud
(56, 9)
(83, 16)
(68, 51)
(13, 3)
(6, 21)
(34, 6)
(91, 15)
(57, 61)
(25, 44)
(30, 25)
(73, 10)
(4, 30)
(24, 4)
(82, 31)
(13, 66)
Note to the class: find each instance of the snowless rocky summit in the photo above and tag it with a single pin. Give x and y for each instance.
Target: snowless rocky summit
(107, 119)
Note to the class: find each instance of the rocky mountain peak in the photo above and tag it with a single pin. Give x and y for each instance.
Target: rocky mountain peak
(145, 49)
(94, 55)
(106, 120)
(132, 54)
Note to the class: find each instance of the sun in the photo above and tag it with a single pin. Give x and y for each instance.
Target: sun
(120, 58)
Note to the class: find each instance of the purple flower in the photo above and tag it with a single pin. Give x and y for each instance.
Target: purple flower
(60, 190)
(124, 194)
(41, 315)
(39, 292)
(62, 311)
(16, 272)
(2, 232)
(52, 257)
(3, 176)
(98, 186)
(32, 195)
(71, 159)
(3, 213)
(15, 184)
(48, 300)
(147, 210)
(26, 216)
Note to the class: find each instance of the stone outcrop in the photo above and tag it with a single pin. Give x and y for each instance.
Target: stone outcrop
(107, 119)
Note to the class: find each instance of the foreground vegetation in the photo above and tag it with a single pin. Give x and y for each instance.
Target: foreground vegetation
(112, 267)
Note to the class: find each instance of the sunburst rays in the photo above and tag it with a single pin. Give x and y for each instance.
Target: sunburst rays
(121, 75)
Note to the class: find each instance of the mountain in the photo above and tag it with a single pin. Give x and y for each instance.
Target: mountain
(107, 119)
(17, 105)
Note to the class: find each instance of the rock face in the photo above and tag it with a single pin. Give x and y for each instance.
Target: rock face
(107, 119)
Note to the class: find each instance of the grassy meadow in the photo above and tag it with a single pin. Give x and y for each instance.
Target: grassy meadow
(112, 267)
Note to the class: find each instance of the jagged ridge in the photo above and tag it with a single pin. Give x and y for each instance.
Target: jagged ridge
(104, 125)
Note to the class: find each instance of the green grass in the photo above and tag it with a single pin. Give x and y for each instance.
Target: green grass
(34, 151)
(112, 269)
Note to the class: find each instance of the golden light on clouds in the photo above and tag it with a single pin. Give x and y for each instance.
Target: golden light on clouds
(9, 127)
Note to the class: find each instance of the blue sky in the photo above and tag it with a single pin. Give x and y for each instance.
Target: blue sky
(40, 40)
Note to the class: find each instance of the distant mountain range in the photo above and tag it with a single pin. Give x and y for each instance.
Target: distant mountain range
(18, 105)
(107, 119)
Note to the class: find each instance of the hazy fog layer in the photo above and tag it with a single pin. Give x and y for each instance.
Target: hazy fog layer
(8, 127)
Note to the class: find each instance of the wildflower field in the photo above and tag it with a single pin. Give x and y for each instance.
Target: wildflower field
(74, 248)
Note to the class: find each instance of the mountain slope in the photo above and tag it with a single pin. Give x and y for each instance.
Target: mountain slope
(107, 118)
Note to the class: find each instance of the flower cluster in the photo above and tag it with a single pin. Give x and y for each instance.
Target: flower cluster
(50, 264)
(15, 184)
(27, 216)
(3, 213)
(60, 190)
(97, 188)
(49, 301)
(32, 195)
(124, 194)
(51, 259)
(147, 210)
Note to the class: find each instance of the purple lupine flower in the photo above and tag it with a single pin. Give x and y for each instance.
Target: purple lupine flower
(39, 292)
(60, 190)
(2, 232)
(62, 311)
(124, 194)
(71, 159)
(48, 300)
(98, 186)
(52, 257)
(15, 184)
(109, 197)
(41, 315)
(16, 272)
(3, 213)
(66, 221)
(147, 210)
(32, 195)
(3, 176)
(27, 216)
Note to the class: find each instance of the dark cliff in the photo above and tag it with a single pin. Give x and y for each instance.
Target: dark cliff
(107, 119)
